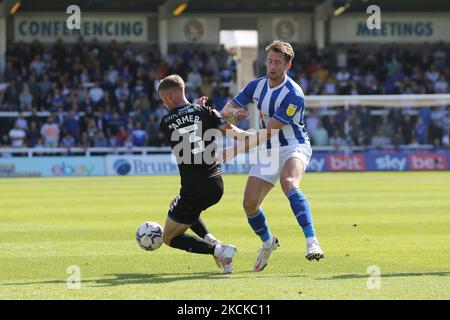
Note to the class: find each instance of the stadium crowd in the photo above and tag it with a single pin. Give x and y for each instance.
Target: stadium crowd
(102, 95)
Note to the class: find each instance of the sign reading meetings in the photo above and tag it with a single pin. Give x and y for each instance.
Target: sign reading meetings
(393, 29)
(48, 29)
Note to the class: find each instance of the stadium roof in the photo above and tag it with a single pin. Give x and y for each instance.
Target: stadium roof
(234, 6)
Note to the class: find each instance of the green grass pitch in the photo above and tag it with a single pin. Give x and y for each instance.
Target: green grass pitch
(396, 223)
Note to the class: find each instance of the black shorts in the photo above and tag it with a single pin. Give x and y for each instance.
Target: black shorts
(194, 198)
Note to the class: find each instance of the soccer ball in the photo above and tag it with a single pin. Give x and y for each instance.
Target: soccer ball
(149, 236)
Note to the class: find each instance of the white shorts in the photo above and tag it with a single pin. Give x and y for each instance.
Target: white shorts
(269, 168)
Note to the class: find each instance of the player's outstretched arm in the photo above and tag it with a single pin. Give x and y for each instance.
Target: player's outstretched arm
(235, 133)
(232, 110)
(252, 139)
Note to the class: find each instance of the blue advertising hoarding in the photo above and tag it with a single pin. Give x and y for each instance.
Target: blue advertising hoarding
(166, 165)
(380, 161)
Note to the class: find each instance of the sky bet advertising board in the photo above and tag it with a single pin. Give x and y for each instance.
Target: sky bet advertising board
(380, 161)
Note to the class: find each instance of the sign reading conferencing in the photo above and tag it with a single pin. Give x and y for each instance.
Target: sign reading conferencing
(50, 27)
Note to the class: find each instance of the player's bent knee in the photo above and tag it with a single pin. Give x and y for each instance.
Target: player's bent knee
(288, 183)
(250, 206)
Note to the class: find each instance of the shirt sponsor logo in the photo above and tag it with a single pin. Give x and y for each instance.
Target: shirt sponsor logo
(290, 111)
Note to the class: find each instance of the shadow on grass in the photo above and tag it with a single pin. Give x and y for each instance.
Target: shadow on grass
(388, 275)
(112, 280)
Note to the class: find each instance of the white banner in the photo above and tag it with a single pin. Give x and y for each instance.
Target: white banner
(394, 28)
(49, 27)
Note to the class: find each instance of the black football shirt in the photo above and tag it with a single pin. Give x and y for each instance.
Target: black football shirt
(187, 129)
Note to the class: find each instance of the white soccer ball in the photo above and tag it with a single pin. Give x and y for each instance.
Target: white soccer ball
(149, 236)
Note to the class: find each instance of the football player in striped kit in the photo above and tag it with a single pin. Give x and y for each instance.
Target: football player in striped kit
(281, 103)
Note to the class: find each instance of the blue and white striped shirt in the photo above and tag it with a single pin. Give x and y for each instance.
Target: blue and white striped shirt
(285, 103)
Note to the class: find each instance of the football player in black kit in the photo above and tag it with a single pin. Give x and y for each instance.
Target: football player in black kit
(201, 182)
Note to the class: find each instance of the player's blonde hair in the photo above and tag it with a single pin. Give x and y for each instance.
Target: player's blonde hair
(171, 82)
(283, 47)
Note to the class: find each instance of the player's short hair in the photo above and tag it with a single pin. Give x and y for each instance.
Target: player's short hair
(283, 47)
(171, 82)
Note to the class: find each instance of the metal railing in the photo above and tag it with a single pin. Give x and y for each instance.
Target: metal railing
(77, 151)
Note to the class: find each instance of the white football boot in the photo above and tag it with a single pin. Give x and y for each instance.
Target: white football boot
(264, 253)
(225, 254)
(213, 241)
(313, 250)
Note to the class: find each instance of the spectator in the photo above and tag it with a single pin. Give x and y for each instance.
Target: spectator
(50, 133)
(139, 136)
(432, 74)
(420, 131)
(379, 140)
(194, 79)
(22, 122)
(87, 103)
(4, 140)
(387, 127)
(312, 121)
(92, 130)
(33, 134)
(10, 72)
(152, 130)
(12, 93)
(320, 136)
(68, 141)
(84, 141)
(121, 137)
(17, 136)
(45, 86)
(100, 140)
(337, 141)
(220, 98)
(138, 90)
(87, 117)
(39, 144)
(360, 138)
(71, 124)
(441, 86)
(122, 91)
(55, 101)
(112, 75)
(141, 102)
(96, 93)
(37, 65)
(160, 112)
(398, 138)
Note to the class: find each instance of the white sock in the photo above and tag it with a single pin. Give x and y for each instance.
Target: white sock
(217, 250)
(209, 238)
(268, 244)
(311, 240)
